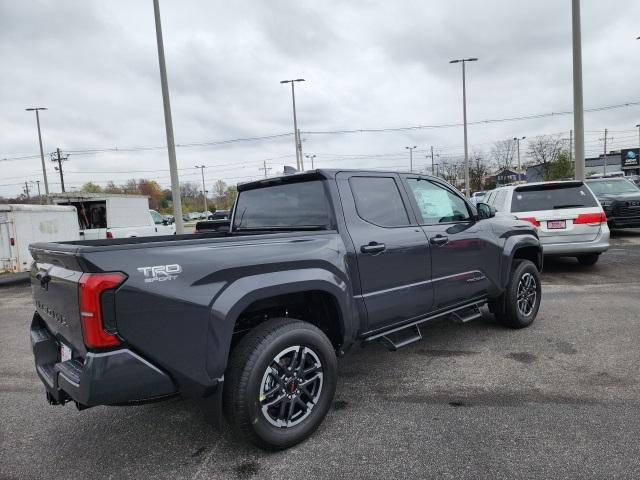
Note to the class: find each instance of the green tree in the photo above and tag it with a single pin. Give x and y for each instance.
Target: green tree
(91, 187)
(561, 168)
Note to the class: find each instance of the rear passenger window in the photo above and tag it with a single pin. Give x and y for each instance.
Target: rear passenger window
(378, 201)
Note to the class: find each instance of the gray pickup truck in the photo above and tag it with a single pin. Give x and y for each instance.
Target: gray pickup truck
(250, 321)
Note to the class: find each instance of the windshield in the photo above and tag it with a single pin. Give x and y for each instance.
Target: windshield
(552, 197)
(301, 205)
(604, 187)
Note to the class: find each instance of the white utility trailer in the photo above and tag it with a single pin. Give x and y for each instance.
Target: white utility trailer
(21, 225)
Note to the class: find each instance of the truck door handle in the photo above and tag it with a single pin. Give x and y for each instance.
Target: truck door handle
(439, 240)
(373, 247)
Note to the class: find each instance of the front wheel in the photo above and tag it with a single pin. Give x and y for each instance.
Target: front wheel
(518, 306)
(280, 383)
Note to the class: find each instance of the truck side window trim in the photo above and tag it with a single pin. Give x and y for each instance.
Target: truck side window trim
(418, 212)
(407, 218)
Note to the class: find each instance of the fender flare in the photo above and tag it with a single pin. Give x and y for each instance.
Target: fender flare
(237, 296)
(511, 246)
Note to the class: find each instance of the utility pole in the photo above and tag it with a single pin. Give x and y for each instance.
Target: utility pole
(296, 140)
(300, 150)
(168, 123)
(44, 169)
(517, 139)
(571, 145)
(464, 116)
(265, 168)
(411, 149)
(604, 158)
(578, 105)
(26, 190)
(433, 171)
(204, 191)
(311, 157)
(57, 157)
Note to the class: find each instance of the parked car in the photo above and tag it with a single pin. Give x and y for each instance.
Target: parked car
(220, 215)
(102, 215)
(569, 219)
(169, 219)
(477, 197)
(620, 199)
(194, 216)
(250, 321)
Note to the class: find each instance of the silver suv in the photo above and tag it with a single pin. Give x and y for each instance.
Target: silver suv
(568, 216)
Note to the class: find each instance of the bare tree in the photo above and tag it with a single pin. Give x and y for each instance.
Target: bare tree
(544, 149)
(478, 170)
(503, 153)
(220, 188)
(449, 170)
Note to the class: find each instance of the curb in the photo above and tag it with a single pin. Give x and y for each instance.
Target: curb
(14, 279)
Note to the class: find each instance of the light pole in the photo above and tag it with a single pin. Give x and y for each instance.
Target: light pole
(638, 127)
(464, 116)
(204, 191)
(168, 123)
(37, 182)
(296, 140)
(411, 149)
(44, 170)
(517, 139)
(578, 105)
(311, 157)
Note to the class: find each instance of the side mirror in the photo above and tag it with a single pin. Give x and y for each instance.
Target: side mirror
(485, 211)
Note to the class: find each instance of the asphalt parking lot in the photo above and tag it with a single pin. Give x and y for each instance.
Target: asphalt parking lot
(560, 399)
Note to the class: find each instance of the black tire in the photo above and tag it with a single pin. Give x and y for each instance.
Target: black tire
(588, 260)
(507, 309)
(247, 377)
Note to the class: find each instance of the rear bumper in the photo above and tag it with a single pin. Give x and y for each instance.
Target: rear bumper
(599, 245)
(109, 378)
(623, 222)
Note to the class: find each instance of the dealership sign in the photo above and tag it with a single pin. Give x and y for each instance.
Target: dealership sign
(630, 157)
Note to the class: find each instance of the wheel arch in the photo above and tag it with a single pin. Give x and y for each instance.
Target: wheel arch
(238, 307)
(523, 247)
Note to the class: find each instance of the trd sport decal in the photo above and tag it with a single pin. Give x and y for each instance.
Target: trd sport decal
(160, 273)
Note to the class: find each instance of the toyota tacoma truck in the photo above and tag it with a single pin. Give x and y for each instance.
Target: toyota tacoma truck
(250, 321)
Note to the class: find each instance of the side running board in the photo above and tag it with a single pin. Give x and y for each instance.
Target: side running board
(404, 335)
(394, 342)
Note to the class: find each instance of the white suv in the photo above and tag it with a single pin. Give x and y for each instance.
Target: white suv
(568, 216)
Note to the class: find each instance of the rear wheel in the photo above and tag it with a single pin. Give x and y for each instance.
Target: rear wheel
(588, 260)
(518, 305)
(280, 383)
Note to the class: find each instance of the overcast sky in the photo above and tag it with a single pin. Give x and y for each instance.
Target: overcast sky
(367, 65)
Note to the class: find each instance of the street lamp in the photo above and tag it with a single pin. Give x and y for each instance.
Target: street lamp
(411, 149)
(168, 123)
(464, 116)
(311, 157)
(296, 140)
(517, 140)
(44, 170)
(204, 191)
(638, 127)
(37, 182)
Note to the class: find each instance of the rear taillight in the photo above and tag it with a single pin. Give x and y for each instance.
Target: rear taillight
(91, 287)
(591, 218)
(109, 234)
(12, 241)
(531, 220)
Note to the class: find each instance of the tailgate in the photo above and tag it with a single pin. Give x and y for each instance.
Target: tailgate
(54, 284)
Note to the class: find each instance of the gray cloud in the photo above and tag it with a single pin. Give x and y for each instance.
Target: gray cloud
(367, 64)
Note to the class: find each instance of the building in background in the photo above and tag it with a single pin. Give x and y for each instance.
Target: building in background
(506, 176)
(626, 160)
